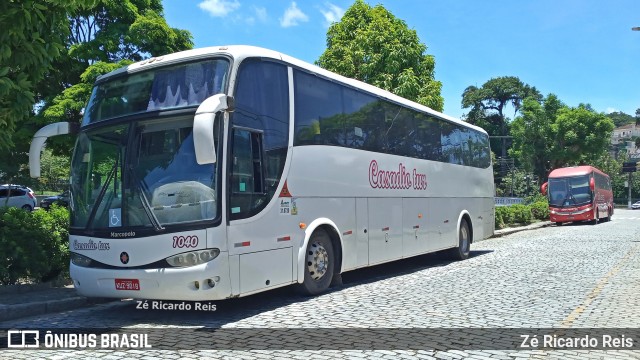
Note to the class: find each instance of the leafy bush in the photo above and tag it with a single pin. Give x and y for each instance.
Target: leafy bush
(540, 210)
(507, 214)
(501, 216)
(521, 213)
(537, 197)
(34, 246)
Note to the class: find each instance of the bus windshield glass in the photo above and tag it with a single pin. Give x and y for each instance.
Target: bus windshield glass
(142, 174)
(156, 89)
(569, 191)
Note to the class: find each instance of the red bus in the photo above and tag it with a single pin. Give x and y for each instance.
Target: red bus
(579, 193)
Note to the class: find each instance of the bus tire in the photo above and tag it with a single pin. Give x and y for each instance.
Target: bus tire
(319, 264)
(596, 218)
(464, 242)
(558, 223)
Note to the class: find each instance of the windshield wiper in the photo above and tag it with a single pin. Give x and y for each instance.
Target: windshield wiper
(146, 206)
(103, 191)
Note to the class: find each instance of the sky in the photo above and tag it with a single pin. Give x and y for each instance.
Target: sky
(583, 51)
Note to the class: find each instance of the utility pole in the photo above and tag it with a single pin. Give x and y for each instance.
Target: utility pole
(503, 151)
(630, 167)
(513, 179)
(629, 206)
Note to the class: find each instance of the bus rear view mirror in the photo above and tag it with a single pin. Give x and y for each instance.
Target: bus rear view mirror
(543, 188)
(39, 140)
(203, 127)
(592, 184)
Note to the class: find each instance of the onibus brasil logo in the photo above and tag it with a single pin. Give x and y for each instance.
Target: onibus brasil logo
(33, 339)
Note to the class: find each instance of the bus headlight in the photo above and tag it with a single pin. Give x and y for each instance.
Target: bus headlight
(193, 258)
(80, 260)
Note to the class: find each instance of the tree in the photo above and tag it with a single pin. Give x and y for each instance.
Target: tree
(532, 144)
(581, 136)
(552, 135)
(32, 36)
(518, 183)
(55, 171)
(110, 32)
(372, 45)
(619, 118)
(92, 41)
(124, 29)
(488, 104)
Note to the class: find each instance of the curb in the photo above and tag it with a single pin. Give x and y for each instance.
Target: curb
(509, 231)
(27, 288)
(17, 311)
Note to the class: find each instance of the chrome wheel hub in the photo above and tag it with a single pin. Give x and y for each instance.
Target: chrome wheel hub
(317, 261)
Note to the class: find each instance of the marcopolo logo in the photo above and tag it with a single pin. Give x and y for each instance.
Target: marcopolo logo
(392, 179)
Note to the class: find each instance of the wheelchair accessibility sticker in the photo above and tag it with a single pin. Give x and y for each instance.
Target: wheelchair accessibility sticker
(115, 217)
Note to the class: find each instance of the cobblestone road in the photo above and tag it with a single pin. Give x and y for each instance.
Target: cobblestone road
(572, 276)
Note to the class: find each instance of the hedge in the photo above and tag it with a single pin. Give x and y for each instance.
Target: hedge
(521, 214)
(34, 246)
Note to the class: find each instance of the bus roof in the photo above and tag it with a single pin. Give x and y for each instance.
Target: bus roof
(574, 171)
(240, 52)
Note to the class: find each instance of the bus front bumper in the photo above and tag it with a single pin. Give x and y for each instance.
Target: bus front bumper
(209, 281)
(561, 215)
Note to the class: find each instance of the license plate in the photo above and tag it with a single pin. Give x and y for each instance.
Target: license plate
(127, 284)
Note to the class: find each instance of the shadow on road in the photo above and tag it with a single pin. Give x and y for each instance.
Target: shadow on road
(400, 267)
(233, 310)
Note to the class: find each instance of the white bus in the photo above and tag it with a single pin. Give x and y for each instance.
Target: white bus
(226, 171)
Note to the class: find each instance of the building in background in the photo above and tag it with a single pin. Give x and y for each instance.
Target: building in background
(623, 140)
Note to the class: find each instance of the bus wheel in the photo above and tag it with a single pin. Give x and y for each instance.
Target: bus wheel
(596, 218)
(319, 264)
(558, 223)
(464, 242)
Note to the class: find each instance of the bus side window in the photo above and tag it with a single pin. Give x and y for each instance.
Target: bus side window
(260, 135)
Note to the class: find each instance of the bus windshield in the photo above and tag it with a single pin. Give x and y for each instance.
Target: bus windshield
(156, 89)
(569, 191)
(142, 174)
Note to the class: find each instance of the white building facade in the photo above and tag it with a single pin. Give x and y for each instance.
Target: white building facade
(622, 138)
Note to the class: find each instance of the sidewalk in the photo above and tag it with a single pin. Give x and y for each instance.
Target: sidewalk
(18, 301)
(511, 230)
